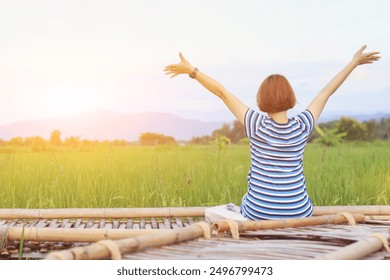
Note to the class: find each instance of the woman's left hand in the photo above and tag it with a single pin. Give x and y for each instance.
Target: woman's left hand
(365, 58)
(183, 67)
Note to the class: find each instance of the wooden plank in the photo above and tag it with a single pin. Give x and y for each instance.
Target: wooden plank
(154, 223)
(100, 251)
(30, 223)
(54, 224)
(41, 223)
(179, 223)
(174, 226)
(115, 223)
(142, 224)
(361, 209)
(101, 212)
(11, 223)
(129, 224)
(90, 223)
(78, 223)
(95, 225)
(64, 223)
(81, 226)
(167, 223)
(35, 235)
(68, 225)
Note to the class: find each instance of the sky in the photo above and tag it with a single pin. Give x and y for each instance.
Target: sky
(60, 58)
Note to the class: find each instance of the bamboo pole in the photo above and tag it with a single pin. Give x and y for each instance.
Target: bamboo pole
(103, 251)
(74, 234)
(377, 217)
(50, 213)
(362, 209)
(19, 213)
(222, 226)
(355, 251)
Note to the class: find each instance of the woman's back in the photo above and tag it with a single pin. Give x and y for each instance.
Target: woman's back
(277, 187)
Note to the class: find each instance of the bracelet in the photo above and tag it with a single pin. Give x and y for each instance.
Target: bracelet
(193, 74)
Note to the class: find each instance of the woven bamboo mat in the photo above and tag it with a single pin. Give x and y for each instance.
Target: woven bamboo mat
(278, 244)
(305, 242)
(37, 249)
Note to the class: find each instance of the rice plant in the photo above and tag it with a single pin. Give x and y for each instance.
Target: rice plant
(135, 176)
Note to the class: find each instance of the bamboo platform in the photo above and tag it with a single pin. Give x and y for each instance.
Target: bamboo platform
(360, 232)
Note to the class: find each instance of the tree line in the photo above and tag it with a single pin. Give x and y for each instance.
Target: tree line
(328, 133)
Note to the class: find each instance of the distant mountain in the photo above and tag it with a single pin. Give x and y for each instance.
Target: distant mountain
(326, 117)
(106, 125)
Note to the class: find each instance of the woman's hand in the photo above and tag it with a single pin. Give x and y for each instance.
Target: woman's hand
(319, 102)
(183, 67)
(365, 58)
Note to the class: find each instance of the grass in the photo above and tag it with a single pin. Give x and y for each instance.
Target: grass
(353, 174)
(133, 176)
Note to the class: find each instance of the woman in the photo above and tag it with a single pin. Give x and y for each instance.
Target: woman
(276, 183)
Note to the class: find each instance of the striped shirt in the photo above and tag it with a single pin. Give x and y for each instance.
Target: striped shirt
(276, 183)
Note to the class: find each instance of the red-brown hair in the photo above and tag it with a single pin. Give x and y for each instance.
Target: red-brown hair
(275, 94)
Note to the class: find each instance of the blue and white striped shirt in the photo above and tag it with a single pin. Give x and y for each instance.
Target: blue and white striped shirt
(276, 183)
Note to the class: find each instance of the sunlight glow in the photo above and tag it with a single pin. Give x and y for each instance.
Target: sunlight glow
(69, 100)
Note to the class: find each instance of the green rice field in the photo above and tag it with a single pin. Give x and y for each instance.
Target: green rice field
(135, 176)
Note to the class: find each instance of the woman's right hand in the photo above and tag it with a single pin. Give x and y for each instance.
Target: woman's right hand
(183, 67)
(365, 58)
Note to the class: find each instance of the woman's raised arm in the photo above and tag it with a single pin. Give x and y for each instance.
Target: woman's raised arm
(318, 103)
(233, 103)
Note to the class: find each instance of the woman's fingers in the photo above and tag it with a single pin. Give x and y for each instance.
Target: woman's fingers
(170, 72)
(372, 53)
(366, 58)
(171, 66)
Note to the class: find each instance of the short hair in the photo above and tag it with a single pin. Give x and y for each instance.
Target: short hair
(275, 94)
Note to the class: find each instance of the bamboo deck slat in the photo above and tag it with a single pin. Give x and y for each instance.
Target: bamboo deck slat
(17, 213)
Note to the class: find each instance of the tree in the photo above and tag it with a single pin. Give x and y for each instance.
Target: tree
(238, 132)
(354, 129)
(329, 137)
(2, 142)
(37, 143)
(223, 131)
(201, 140)
(72, 141)
(235, 132)
(55, 138)
(118, 142)
(16, 141)
(382, 129)
(152, 139)
(370, 130)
